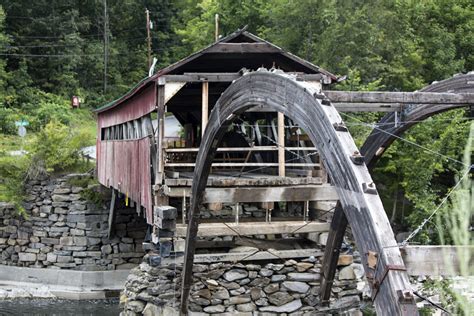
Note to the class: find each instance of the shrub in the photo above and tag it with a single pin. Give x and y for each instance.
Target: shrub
(57, 148)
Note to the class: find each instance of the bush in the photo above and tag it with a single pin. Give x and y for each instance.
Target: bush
(13, 171)
(57, 148)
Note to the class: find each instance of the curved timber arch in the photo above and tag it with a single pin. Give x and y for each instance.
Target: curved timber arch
(374, 237)
(374, 147)
(378, 141)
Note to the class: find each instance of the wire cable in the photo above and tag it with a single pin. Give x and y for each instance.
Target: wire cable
(426, 220)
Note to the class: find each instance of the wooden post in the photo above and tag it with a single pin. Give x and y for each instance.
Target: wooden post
(281, 144)
(160, 104)
(111, 214)
(205, 106)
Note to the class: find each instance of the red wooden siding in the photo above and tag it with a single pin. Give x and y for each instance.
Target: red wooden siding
(138, 105)
(125, 166)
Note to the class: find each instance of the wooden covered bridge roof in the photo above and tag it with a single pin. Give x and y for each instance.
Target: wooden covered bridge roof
(230, 54)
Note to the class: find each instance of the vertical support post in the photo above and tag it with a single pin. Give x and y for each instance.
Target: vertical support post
(281, 144)
(111, 214)
(331, 253)
(205, 106)
(160, 104)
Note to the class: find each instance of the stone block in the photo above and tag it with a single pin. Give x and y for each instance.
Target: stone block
(26, 257)
(64, 259)
(60, 198)
(77, 232)
(47, 209)
(50, 241)
(345, 260)
(166, 212)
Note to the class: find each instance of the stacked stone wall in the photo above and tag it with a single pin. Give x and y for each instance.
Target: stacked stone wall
(274, 288)
(62, 229)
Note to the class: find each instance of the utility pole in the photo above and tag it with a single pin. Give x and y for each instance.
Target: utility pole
(148, 37)
(106, 44)
(216, 31)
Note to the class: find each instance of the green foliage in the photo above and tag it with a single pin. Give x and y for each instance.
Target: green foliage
(56, 148)
(13, 171)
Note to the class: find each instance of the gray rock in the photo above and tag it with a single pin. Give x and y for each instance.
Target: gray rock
(346, 301)
(151, 310)
(135, 306)
(305, 277)
(214, 309)
(286, 308)
(271, 288)
(278, 277)
(266, 272)
(235, 274)
(26, 257)
(295, 286)
(235, 300)
(347, 273)
(248, 307)
(280, 298)
(221, 294)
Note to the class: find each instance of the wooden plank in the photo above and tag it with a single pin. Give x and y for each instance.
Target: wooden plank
(111, 220)
(260, 180)
(437, 260)
(160, 105)
(254, 228)
(331, 254)
(260, 194)
(400, 97)
(227, 77)
(240, 149)
(243, 48)
(367, 107)
(281, 144)
(243, 164)
(248, 256)
(205, 106)
(171, 88)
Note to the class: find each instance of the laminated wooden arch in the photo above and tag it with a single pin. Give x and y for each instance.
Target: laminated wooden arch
(373, 148)
(381, 257)
(378, 141)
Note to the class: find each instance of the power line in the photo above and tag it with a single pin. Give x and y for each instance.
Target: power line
(405, 140)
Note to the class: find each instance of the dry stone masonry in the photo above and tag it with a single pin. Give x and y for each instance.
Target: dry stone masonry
(64, 230)
(273, 288)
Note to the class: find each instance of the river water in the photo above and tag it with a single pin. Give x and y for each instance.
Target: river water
(55, 307)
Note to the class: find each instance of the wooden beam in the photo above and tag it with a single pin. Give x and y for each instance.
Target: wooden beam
(254, 228)
(437, 260)
(257, 181)
(246, 164)
(248, 256)
(360, 107)
(171, 88)
(281, 144)
(243, 48)
(227, 77)
(111, 220)
(160, 131)
(205, 106)
(400, 97)
(331, 254)
(240, 149)
(260, 194)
